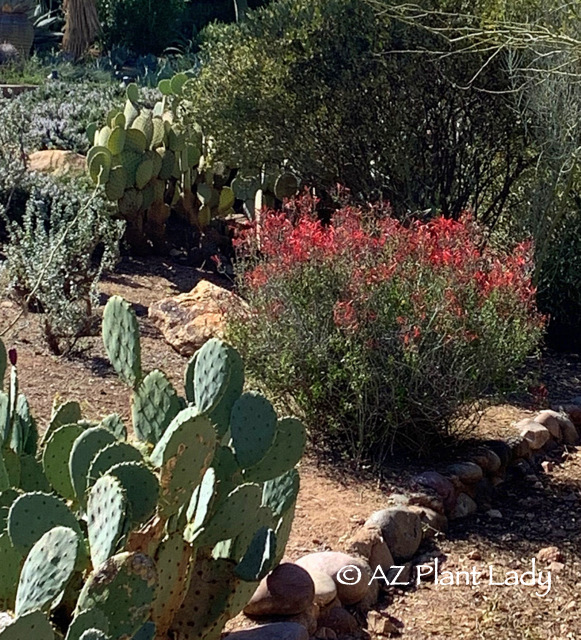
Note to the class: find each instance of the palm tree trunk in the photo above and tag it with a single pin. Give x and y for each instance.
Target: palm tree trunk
(81, 27)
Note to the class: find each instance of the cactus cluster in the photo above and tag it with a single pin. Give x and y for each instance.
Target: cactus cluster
(150, 165)
(103, 538)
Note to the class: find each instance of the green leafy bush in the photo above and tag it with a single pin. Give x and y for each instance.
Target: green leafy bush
(383, 333)
(323, 86)
(54, 257)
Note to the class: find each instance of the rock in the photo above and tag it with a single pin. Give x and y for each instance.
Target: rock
(466, 472)
(325, 588)
(288, 590)
(380, 623)
(308, 618)
(556, 567)
(550, 420)
(487, 460)
(324, 633)
(368, 543)
(465, 506)
(400, 576)
(573, 410)
(340, 621)
(428, 499)
(57, 162)
(474, 555)
(484, 493)
(433, 523)
(502, 450)
(494, 514)
(547, 466)
(332, 563)
(520, 446)
(189, 320)
(535, 433)
(550, 554)
(568, 431)
(401, 529)
(440, 485)
(272, 631)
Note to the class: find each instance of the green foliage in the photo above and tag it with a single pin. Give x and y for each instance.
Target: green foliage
(153, 513)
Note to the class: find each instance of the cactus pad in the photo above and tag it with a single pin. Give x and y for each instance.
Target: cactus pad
(147, 632)
(106, 518)
(123, 588)
(184, 453)
(46, 571)
(259, 558)
(34, 514)
(33, 625)
(281, 493)
(231, 516)
(121, 338)
(141, 488)
(253, 425)
(108, 457)
(287, 448)
(84, 450)
(10, 561)
(155, 405)
(55, 459)
(114, 424)
(3, 363)
(94, 634)
(67, 413)
(200, 504)
(89, 619)
(32, 476)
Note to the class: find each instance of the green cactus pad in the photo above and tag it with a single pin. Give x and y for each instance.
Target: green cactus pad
(231, 515)
(168, 161)
(164, 87)
(178, 82)
(184, 453)
(200, 504)
(114, 424)
(131, 203)
(158, 137)
(111, 115)
(103, 136)
(11, 562)
(144, 123)
(227, 199)
(33, 625)
(4, 479)
(189, 378)
(66, 413)
(144, 173)
(228, 474)
(155, 404)
(99, 168)
(130, 113)
(115, 187)
(46, 571)
(34, 514)
(281, 493)
(141, 488)
(7, 497)
(116, 141)
(132, 93)
(121, 338)
(107, 518)
(259, 559)
(92, 130)
(119, 120)
(94, 634)
(283, 531)
(108, 457)
(135, 141)
(263, 518)
(252, 425)
(147, 632)
(173, 563)
(84, 450)
(89, 619)
(32, 477)
(28, 424)
(156, 162)
(12, 466)
(286, 451)
(123, 588)
(55, 459)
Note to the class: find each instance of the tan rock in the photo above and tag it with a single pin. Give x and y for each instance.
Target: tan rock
(401, 529)
(340, 621)
(487, 460)
(189, 320)
(559, 422)
(466, 472)
(368, 543)
(379, 623)
(57, 162)
(535, 433)
(550, 420)
(550, 554)
(433, 522)
(325, 588)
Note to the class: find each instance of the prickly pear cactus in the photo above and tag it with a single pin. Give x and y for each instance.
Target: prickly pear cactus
(32, 625)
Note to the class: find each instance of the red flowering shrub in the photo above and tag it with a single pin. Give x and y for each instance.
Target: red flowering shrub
(381, 331)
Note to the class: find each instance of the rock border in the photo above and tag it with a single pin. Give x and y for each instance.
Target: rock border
(326, 606)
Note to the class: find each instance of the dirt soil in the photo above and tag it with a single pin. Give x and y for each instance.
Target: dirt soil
(333, 501)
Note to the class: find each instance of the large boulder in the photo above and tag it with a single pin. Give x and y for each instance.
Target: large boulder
(401, 529)
(57, 162)
(189, 320)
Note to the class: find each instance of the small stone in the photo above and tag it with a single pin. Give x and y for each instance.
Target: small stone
(401, 529)
(494, 514)
(556, 567)
(547, 466)
(381, 624)
(333, 563)
(272, 631)
(440, 485)
(487, 459)
(465, 506)
(535, 433)
(474, 555)
(520, 446)
(433, 523)
(325, 588)
(340, 621)
(288, 590)
(466, 472)
(428, 499)
(572, 410)
(502, 450)
(550, 554)
(307, 618)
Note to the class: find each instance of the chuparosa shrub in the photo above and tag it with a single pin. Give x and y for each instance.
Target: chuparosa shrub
(383, 333)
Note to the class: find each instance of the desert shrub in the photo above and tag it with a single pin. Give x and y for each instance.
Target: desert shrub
(54, 256)
(382, 333)
(324, 86)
